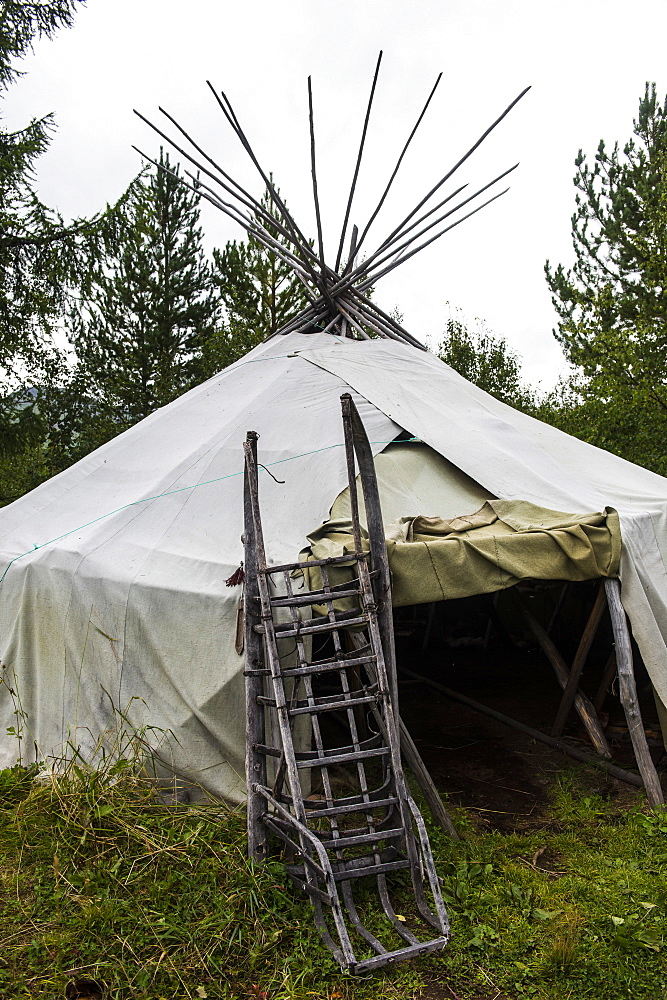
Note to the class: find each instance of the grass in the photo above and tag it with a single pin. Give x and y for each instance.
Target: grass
(99, 880)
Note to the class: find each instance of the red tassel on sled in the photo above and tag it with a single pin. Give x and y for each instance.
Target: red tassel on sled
(236, 578)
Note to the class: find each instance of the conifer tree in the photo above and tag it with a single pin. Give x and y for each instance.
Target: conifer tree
(142, 322)
(613, 302)
(41, 257)
(259, 293)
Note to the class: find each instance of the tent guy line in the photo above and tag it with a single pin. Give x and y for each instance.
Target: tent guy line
(183, 489)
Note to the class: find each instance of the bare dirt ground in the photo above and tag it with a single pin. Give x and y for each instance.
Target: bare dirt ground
(502, 775)
(496, 772)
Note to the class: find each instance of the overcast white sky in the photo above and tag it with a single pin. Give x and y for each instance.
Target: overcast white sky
(587, 62)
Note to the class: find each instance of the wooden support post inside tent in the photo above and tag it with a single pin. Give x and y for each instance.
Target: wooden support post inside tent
(620, 662)
(572, 687)
(536, 734)
(628, 694)
(608, 675)
(582, 704)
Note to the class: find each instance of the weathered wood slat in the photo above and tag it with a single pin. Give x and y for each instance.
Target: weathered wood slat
(286, 630)
(255, 763)
(628, 694)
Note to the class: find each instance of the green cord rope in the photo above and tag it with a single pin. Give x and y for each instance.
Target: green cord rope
(181, 489)
(207, 482)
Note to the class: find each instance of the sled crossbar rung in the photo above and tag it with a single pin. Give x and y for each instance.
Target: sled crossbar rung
(325, 666)
(314, 597)
(343, 758)
(355, 838)
(353, 868)
(344, 810)
(390, 957)
(377, 795)
(348, 559)
(332, 706)
(327, 706)
(308, 757)
(362, 839)
(287, 630)
(363, 870)
(373, 741)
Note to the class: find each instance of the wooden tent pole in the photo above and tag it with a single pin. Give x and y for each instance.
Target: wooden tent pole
(628, 694)
(583, 649)
(350, 260)
(582, 704)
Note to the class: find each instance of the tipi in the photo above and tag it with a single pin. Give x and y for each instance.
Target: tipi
(113, 593)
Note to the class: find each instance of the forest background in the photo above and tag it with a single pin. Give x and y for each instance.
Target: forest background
(102, 320)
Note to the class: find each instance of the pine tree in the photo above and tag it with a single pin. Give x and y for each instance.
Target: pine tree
(259, 293)
(40, 256)
(144, 318)
(619, 234)
(613, 303)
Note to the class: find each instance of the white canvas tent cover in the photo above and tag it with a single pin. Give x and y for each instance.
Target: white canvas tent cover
(112, 593)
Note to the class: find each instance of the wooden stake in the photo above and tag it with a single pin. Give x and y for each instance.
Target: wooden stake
(425, 782)
(628, 694)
